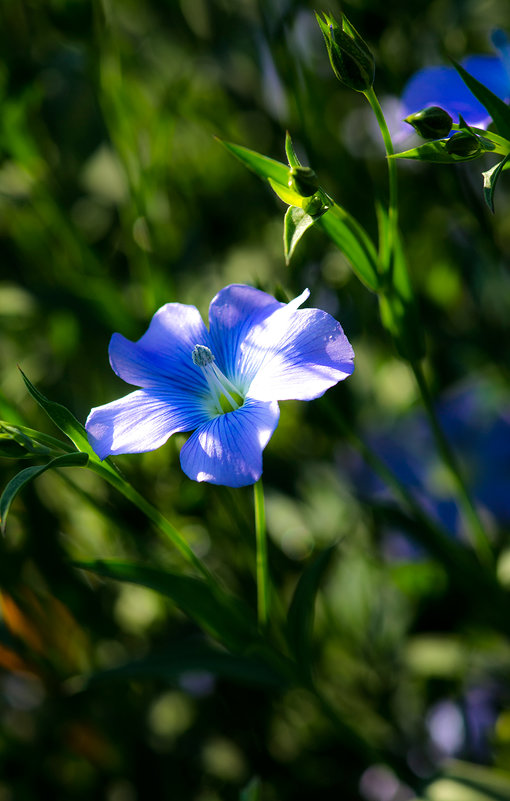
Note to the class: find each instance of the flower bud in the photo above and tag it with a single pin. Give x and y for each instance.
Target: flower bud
(464, 144)
(303, 180)
(431, 123)
(350, 58)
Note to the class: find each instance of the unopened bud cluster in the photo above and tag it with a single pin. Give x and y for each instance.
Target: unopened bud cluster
(350, 58)
(431, 123)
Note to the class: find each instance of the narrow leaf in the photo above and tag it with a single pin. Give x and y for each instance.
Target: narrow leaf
(29, 473)
(222, 615)
(435, 153)
(287, 194)
(398, 308)
(496, 108)
(296, 222)
(338, 224)
(490, 179)
(290, 152)
(63, 419)
(197, 656)
(352, 239)
(261, 165)
(22, 443)
(302, 610)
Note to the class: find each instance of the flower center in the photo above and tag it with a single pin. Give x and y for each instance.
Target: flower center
(225, 397)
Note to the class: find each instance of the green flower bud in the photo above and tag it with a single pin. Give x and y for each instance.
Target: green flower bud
(464, 144)
(303, 180)
(431, 123)
(350, 58)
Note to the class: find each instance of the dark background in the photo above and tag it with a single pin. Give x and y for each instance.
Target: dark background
(114, 199)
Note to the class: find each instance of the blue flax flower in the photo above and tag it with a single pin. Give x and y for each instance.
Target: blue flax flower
(443, 86)
(223, 384)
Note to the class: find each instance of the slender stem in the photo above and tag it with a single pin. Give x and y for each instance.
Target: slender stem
(479, 536)
(392, 167)
(262, 566)
(480, 540)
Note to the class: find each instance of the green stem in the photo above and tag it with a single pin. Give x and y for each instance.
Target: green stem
(392, 167)
(109, 473)
(262, 566)
(480, 540)
(479, 536)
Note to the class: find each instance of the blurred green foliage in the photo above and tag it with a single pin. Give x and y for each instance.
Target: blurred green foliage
(114, 199)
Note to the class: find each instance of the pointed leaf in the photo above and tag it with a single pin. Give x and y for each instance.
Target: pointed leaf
(496, 108)
(352, 239)
(288, 195)
(63, 419)
(302, 610)
(37, 438)
(338, 224)
(222, 615)
(290, 152)
(198, 656)
(29, 473)
(27, 442)
(296, 222)
(261, 165)
(398, 307)
(490, 179)
(436, 153)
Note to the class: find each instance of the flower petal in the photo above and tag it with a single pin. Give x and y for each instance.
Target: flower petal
(163, 353)
(443, 86)
(143, 421)
(232, 312)
(228, 449)
(296, 354)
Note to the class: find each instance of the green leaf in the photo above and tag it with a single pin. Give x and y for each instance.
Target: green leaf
(63, 419)
(290, 152)
(490, 179)
(296, 222)
(397, 303)
(302, 609)
(199, 656)
(18, 441)
(436, 153)
(29, 473)
(252, 791)
(338, 224)
(496, 108)
(261, 165)
(222, 615)
(352, 239)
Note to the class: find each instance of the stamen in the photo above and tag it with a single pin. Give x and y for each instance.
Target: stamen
(202, 355)
(218, 383)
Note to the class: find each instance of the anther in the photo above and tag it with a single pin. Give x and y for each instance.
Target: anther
(202, 355)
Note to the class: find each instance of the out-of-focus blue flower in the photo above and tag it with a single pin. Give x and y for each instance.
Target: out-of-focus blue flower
(476, 422)
(443, 86)
(223, 384)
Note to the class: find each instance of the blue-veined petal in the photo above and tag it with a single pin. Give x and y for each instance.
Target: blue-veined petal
(443, 86)
(304, 352)
(143, 420)
(228, 449)
(233, 311)
(163, 353)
